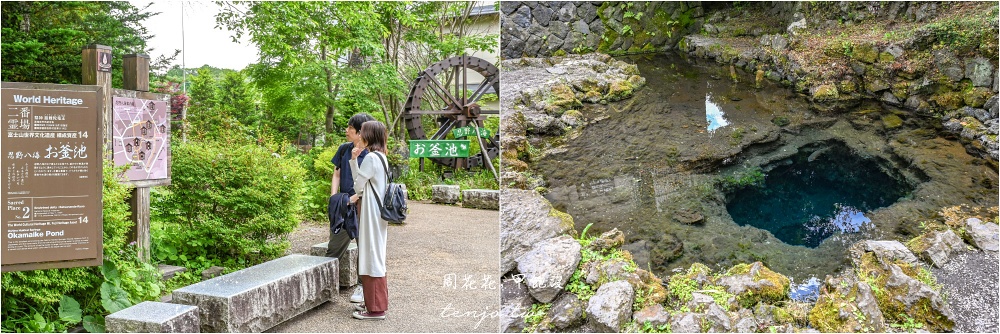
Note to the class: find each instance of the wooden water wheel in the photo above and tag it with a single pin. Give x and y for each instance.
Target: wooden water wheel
(443, 87)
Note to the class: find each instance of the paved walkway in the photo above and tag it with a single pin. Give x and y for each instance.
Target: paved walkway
(438, 264)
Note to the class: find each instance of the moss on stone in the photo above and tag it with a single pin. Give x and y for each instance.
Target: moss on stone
(619, 90)
(826, 92)
(775, 291)
(848, 86)
(865, 52)
(876, 274)
(886, 57)
(562, 97)
(566, 221)
(976, 97)
(948, 100)
(559, 53)
(891, 121)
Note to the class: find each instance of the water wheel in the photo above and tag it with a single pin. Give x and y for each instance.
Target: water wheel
(442, 91)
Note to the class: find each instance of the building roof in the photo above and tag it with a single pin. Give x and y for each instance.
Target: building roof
(483, 10)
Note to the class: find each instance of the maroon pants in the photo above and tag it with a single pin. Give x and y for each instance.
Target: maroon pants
(376, 293)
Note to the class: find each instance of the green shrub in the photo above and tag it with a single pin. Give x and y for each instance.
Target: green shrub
(232, 205)
(30, 298)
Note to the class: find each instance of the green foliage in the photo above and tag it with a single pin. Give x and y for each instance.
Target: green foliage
(908, 325)
(42, 40)
(534, 316)
(418, 184)
(226, 204)
(29, 297)
(751, 177)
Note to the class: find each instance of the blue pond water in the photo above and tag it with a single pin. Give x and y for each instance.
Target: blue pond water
(816, 193)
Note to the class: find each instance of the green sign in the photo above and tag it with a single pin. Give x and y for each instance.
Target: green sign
(470, 130)
(439, 148)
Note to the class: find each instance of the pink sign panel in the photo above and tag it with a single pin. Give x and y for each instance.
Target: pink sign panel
(141, 137)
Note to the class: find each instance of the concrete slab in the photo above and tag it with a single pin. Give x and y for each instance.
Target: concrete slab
(154, 317)
(260, 297)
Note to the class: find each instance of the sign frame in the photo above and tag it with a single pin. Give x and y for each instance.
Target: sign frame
(97, 253)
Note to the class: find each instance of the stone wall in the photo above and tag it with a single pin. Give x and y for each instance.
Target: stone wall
(539, 29)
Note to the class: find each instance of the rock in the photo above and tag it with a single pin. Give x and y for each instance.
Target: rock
(587, 12)
(953, 125)
(985, 236)
(796, 27)
(754, 283)
(514, 300)
(779, 42)
(522, 17)
(609, 239)
(508, 7)
(746, 325)
(640, 252)
(542, 15)
(937, 247)
(981, 114)
(567, 311)
(597, 29)
(654, 315)
(258, 298)
(948, 65)
(979, 71)
(699, 302)
(525, 219)
(445, 193)
(849, 306)
(567, 13)
(611, 306)
(211, 272)
(347, 267)
(667, 248)
(686, 323)
(991, 106)
(558, 29)
(581, 27)
(887, 97)
(481, 199)
(885, 250)
(916, 104)
(688, 217)
(719, 321)
(908, 292)
(154, 317)
(167, 271)
(548, 266)
(894, 50)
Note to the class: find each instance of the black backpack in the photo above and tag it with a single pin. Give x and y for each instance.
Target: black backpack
(394, 210)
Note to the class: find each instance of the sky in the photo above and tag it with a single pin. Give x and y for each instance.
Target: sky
(204, 44)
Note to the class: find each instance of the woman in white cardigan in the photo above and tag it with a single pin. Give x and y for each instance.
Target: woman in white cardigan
(370, 180)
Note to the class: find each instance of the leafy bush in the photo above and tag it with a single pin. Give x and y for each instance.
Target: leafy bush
(30, 297)
(226, 204)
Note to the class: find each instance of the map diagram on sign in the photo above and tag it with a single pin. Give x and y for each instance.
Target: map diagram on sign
(141, 137)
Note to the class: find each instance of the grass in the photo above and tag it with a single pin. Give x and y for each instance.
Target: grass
(418, 184)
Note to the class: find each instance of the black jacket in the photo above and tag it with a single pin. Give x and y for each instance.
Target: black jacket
(342, 215)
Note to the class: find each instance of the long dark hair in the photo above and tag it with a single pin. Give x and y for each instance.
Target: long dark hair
(374, 134)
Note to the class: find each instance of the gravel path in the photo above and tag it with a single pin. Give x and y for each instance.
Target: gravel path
(970, 280)
(438, 264)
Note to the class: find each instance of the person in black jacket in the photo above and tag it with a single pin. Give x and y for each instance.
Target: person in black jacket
(343, 182)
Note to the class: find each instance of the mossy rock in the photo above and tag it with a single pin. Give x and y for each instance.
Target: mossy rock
(886, 57)
(619, 90)
(865, 52)
(826, 92)
(754, 283)
(841, 310)
(949, 100)
(976, 97)
(848, 86)
(566, 221)
(561, 97)
(891, 121)
(891, 283)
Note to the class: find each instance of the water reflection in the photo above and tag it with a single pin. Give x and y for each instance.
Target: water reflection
(846, 219)
(714, 114)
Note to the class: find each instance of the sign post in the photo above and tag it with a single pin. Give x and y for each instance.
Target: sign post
(52, 186)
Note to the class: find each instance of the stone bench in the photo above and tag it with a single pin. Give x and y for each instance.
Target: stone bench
(349, 265)
(481, 199)
(444, 194)
(154, 317)
(258, 298)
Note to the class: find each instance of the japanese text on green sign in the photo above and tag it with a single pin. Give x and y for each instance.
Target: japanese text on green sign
(470, 130)
(439, 148)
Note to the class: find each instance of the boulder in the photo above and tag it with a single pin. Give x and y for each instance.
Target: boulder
(445, 193)
(717, 319)
(548, 266)
(848, 306)
(587, 12)
(985, 236)
(525, 219)
(981, 114)
(979, 71)
(567, 311)
(937, 247)
(521, 17)
(609, 239)
(948, 65)
(481, 199)
(654, 315)
(754, 283)
(901, 296)
(514, 300)
(885, 250)
(795, 27)
(686, 322)
(611, 306)
(542, 15)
